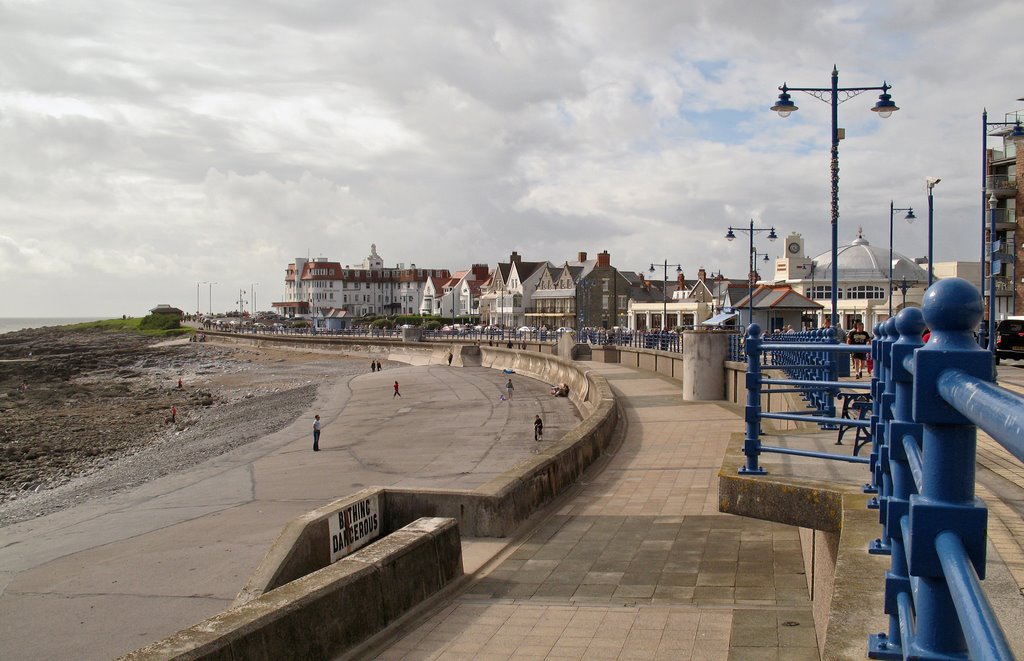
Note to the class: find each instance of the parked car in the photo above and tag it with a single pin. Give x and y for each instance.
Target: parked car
(563, 329)
(1010, 338)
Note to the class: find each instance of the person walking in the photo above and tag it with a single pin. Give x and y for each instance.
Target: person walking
(378, 366)
(508, 390)
(397, 394)
(858, 336)
(316, 433)
(373, 365)
(538, 428)
(449, 359)
(174, 414)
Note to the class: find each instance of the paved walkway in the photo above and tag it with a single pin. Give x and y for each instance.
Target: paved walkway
(638, 564)
(104, 578)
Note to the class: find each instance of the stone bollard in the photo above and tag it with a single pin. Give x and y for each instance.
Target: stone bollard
(704, 356)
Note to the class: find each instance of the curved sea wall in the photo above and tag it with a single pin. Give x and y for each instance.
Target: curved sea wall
(290, 607)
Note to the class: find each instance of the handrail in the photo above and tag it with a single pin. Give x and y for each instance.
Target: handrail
(973, 609)
(993, 409)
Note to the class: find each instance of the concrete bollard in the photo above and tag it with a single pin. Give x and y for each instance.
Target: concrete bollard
(704, 356)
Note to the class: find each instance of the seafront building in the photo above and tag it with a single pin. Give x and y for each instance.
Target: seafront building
(1004, 168)
(322, 288)
(863, 276)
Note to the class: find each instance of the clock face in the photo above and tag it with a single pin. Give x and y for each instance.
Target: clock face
(794, 247)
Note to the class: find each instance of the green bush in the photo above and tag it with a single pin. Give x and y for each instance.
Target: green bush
(432, 325)
(161, 322)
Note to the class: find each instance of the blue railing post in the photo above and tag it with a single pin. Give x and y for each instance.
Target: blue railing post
(946, 503)
(752, 412)
(899, 431)
(885, 336)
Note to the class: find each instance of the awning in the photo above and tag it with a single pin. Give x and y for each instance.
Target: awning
(719, 319)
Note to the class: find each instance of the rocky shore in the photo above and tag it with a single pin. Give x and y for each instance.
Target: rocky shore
(87, 413)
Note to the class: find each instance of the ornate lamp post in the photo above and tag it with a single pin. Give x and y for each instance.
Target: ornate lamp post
(664, 291)
(835, 95)
(909, 218)
(729, 236)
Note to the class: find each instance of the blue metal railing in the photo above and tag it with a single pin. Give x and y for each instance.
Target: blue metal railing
(809, 358)
(928, 400)
(935, 396)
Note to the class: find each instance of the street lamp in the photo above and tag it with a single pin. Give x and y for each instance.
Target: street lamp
(992, 204)
(198, 305)
(664, 291)
(729, 236)
(831, 95)
(930, 182)
(209, 300)
(903, 287)
(909, 218)
(582, 287)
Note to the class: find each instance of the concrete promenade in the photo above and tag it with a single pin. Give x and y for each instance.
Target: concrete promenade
(104, 578)
(637, 563)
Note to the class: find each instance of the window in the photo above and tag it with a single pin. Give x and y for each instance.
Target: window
(865, 292)
(822, 292)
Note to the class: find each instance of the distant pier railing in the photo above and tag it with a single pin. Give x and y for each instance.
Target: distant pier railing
(928, 400)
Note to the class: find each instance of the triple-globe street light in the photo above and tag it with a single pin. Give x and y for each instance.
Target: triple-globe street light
(835, 95)
(664, 291)
(751, 231)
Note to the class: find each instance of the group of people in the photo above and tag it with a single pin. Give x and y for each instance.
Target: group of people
(375, 366)
(560, 390)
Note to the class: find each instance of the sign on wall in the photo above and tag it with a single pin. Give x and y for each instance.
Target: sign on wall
(354, 526)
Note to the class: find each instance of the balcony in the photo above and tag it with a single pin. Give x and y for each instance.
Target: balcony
(1001, 185)
(1005, 220)
(1004, 286)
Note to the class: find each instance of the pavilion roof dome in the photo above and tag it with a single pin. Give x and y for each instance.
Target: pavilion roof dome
(862, 261)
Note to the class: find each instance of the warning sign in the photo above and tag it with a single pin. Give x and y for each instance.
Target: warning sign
(353, 527)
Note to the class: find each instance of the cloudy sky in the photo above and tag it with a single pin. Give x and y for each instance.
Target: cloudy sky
(148, 146)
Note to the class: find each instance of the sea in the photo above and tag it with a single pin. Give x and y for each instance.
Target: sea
(11, 324)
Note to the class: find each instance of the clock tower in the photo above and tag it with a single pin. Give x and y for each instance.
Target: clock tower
(794, 265)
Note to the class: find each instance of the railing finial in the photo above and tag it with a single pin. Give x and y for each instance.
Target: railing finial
(910, 325)
(952, 309)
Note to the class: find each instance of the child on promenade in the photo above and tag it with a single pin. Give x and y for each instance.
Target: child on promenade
(397, 394)
(316, 433)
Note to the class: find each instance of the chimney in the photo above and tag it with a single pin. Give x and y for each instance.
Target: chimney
(702, 275)
(604, 259)
(681, 281)
(582, 257)
(515, 258)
